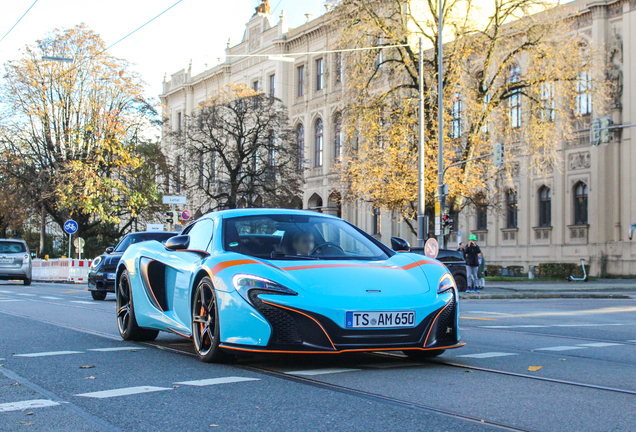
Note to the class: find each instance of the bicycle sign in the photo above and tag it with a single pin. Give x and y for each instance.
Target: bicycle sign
(70, 226)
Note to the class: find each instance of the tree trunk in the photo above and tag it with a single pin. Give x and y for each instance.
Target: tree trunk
(42, 233)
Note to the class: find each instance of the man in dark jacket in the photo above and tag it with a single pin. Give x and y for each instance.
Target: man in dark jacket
(472, 253)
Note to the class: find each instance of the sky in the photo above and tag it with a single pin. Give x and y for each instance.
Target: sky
(193, 29)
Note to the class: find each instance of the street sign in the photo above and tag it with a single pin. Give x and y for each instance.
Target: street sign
(174, 199)
(497, 155)
(79, 243)
(154, 227)
(431, 248)
(185, 215)
(595, 132)
(70, 226)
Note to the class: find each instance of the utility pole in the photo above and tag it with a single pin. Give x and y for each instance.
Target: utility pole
(440, 126)
(422, 224)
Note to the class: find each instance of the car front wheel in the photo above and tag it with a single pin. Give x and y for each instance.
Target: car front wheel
(205, 324)
(126, 321)
(98, 295)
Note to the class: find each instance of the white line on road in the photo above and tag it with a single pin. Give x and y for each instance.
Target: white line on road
(122, 392)
(35, 403)
(516, 326)
(6, 292)
(214, 381)
(82, 302)
(26, 294)
(600, 344)
(484, 312)
(46, 354)
(51, 298)
(116, 349)
(560, 348)
(554, 325)
(391, 365)
(489, 355)
(10, 300)
(313, 372)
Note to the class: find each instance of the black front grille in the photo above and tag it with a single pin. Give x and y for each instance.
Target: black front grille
(446, 332)
(284, 327)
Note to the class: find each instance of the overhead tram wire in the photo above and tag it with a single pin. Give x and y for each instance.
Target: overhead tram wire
(18, 21)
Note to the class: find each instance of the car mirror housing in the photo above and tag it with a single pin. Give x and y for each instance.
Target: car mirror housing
(110, 250)
(400, 245)
(178, 243)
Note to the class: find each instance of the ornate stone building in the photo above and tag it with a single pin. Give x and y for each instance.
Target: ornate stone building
(582, 209)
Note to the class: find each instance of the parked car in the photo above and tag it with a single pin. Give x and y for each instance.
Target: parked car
(455, 262)
(101, 277)
(15, 261)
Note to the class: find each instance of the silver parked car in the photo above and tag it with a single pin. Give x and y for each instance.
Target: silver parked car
(15, 261)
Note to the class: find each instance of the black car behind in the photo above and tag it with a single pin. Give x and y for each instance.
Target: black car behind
(455, 262)
(101, 277)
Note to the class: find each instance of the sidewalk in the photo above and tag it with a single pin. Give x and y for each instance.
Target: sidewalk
(601, 288)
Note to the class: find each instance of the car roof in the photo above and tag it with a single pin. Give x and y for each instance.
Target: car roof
(151, 232)
(262, 211)
(14, 240)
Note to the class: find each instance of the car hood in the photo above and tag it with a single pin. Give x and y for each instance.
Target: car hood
(110, 260)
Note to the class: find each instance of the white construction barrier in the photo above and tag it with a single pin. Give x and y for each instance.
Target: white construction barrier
(61, 270)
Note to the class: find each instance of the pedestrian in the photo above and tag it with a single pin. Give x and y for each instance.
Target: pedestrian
(461, 247)
(481, 274)
(472, 253)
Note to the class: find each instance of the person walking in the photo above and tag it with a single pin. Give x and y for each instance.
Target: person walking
(481, 274)
(472, 254)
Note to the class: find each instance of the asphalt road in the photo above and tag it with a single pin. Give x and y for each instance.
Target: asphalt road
(537, 365)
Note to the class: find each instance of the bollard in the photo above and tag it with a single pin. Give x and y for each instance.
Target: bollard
(531, 272)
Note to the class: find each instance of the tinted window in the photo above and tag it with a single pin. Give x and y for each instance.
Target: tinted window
(201, 234)
(131, 239)
(11, 247)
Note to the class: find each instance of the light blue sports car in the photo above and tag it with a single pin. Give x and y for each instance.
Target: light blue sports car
(286, 281)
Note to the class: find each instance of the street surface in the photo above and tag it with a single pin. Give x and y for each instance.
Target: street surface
(529, 364)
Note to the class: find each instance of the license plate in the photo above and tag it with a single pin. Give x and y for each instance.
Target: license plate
(6, 260)
(110, 276)
(380, 319)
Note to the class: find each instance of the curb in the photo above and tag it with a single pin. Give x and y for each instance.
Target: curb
(541, 296)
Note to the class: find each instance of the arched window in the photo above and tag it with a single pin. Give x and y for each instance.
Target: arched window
(481, 212)
(315, 203)
(337, 136)
(300, 142)
(514, 100)
(580, 204)
(545, 207)
(511, 209)
(318, 144)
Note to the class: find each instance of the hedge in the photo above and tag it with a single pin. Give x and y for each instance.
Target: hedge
(561, 270)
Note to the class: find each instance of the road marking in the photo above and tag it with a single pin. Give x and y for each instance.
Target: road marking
(69, 292)
(557, 325)
(214, 381)
(631, 341)
(484, 312)
(122, 392)
(488, 355)
(482, 319)
(51, 298)
(313, 372)
(391, 365)
(116, 349)
(6, 292)
(9, 300)
(46, 354)
(35, 403)
(26, 294)
(560, 348)
(82, 302)
(599, 344)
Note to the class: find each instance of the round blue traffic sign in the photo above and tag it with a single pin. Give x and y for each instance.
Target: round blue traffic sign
(70, 226)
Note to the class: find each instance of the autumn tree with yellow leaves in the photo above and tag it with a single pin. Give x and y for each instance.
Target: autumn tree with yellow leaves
(515, 72)
(73, 135)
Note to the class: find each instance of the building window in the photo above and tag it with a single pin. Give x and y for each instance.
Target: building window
(580, 204)
(482, 213)
(300, 74)
(319, 74)
(179, 122)
(514, 100)
(456, 121)
(300, 142)
(337, 136)
(272, 86)
(318, 144)
(377, 221)
(178, 175)
(545, 207)
(547, 102)
(511, 209)
(255, 86)
(583, 93)
(201, 170)
(338, 67)
(486, 126)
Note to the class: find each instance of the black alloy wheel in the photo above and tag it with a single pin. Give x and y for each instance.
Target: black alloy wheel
(126, 322)
(205, 324)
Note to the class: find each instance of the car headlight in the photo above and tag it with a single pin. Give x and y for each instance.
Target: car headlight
(446, 283)
(245, 283)
(96, 262)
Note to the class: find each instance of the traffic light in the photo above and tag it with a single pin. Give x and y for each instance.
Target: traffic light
(595, 132)
(170, 216)
(605, 131)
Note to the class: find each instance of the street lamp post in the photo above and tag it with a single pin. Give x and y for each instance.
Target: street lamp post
(440, 127)
(421, 192)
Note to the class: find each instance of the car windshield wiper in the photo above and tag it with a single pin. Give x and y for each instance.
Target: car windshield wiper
(282, 255)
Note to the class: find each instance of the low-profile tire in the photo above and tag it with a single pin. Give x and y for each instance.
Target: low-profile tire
(126, 321)
(462, 285)
(98, 295)
(418, 355)
(205, 324)
(26, 282)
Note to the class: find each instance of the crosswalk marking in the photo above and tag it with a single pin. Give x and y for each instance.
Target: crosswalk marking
(116, 349)
(46, 354)
(126, 391)
(22, 405)
(599, 344)
(26, 294)
(9, 300)
(51, 298)
(214, 381)
(313, 372)
(82, 302)
(560, 348)
(488, 355)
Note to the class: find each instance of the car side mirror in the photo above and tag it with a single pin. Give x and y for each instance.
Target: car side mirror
(110, 250)
(400, 245)
(33, 255)
(178, 243)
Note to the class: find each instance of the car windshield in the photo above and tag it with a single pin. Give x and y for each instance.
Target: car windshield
(131, 239)
(292, 236)
(11, 247)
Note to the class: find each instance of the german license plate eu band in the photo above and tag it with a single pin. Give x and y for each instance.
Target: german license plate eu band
(380, 319)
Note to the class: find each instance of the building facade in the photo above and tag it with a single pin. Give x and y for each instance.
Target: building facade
(582, 209)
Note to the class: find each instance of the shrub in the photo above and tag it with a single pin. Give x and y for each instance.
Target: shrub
(515, 270)
(561, 270)
(493, 270)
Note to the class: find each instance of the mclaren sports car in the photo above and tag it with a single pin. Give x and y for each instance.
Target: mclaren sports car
(285, 281)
